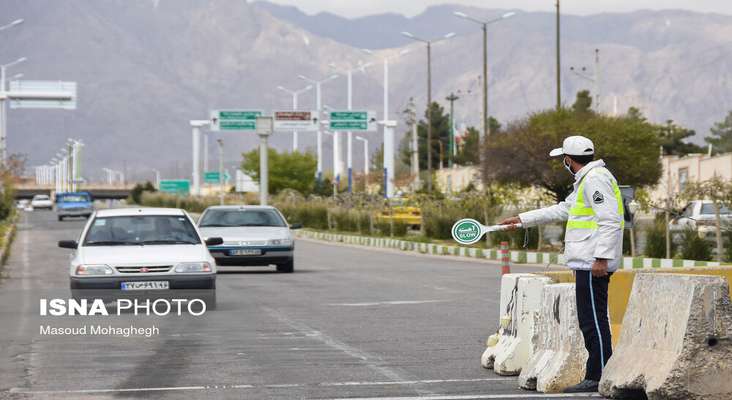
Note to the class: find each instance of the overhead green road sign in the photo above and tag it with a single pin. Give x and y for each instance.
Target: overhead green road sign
(176, 186)
(215, 176)
(355, 121)
(234, 120)
(349, 116)
(349, 125)
(211, 177)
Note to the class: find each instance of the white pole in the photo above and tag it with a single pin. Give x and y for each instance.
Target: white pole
(3, 117)
(221, 171)
(196, 173)
(349, 149)
(336, 159)
(205, 151)
(294, 133)
(263, 170)
(388, 139)
(318, 105)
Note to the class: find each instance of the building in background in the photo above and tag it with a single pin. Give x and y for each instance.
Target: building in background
(679, 171)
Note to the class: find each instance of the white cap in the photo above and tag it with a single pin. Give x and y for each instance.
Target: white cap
(574, 146)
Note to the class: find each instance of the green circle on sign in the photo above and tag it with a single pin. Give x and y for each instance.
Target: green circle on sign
(467, 231)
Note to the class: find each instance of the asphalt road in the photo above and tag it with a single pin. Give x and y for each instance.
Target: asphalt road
(350, 323)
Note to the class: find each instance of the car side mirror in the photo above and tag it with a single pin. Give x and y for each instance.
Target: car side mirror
(296, 226)
(214, 241)
(68, 244)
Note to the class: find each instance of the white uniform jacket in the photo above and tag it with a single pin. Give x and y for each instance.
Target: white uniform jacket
(583, 246)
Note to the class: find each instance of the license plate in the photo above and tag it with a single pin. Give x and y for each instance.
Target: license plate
(246, 252)
(146, 285)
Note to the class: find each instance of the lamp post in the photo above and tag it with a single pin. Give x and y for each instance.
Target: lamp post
(335, 159)
(349, 137)
(319, 107)
(12, 24)
(365, 161)
(451, 143)
(559, 61)
(294, 94)
(265, 125)
(389, 147)
(484, 26)
(3, 108)
(221, 170)
(429, 44)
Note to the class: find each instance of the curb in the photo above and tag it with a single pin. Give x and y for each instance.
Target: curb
(8, 239)
(517, 256)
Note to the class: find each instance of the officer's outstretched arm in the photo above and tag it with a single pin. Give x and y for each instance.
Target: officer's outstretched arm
(547, 215)
(600, 195)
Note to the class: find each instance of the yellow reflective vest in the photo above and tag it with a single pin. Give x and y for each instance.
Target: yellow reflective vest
(594, 218)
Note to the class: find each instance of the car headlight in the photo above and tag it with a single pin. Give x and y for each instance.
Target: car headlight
(280, 242)
(94, 270)
(186, 268)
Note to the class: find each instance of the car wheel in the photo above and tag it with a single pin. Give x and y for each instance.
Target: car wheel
(60, 218)
(210, 299)
(287, 267)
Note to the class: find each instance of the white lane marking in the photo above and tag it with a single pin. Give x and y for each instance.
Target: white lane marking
(416, 382)
(482, 396)
(271, 386)
(387, 303)
(80, 391)
(370, 360)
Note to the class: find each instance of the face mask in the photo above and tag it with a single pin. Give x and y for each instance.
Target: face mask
(567, 166)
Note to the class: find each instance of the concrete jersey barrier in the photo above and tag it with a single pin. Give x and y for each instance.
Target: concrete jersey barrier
(677, 346)
(509, 350)
(559, 353)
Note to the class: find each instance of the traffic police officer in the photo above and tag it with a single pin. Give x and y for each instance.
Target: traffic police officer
(593, 245)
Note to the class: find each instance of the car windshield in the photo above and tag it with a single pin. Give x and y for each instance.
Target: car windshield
(708, 209)
(74, 198)
(231, 218)
(43, 197)
(141, 230)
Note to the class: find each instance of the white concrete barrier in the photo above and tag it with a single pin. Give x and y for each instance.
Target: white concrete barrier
(509, 350)
(676, 340)
(559, 353)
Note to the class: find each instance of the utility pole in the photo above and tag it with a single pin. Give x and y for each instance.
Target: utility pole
(451, 144)
(429, 117)
(559, 62)
(295, 94)
(429, 99)
(221, 171)
(196, 126)
(319, 107)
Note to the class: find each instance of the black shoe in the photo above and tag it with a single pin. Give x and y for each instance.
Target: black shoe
(586, 386)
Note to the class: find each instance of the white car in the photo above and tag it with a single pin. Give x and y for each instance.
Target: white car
(253, 236)
(698, 215)
(141, 251)
(41, 201)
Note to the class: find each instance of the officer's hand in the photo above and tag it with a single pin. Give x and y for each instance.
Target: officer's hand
(510, 221)
(599, 268)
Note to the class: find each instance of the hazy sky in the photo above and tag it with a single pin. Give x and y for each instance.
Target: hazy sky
(352, 8)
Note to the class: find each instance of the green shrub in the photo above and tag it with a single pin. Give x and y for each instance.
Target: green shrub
(7, 198)
(656, 240)
(694, 247)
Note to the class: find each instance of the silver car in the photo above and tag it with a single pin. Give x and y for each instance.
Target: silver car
(141, 251)
(253, 236)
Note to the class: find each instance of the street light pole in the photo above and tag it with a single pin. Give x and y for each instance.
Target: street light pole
(365, 162)
(451, 144)
(389, 147)
(265, 125)
(484, 27)
(429, 98)
(3, 107)
(559, 62)
(294, 94)
(319, 107)
(221, 171)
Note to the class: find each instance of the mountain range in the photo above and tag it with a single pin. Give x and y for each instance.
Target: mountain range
(144, 68)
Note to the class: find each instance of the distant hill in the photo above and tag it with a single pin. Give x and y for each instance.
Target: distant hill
(145, 68)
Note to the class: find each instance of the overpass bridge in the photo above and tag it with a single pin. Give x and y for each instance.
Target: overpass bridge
(98, 191)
